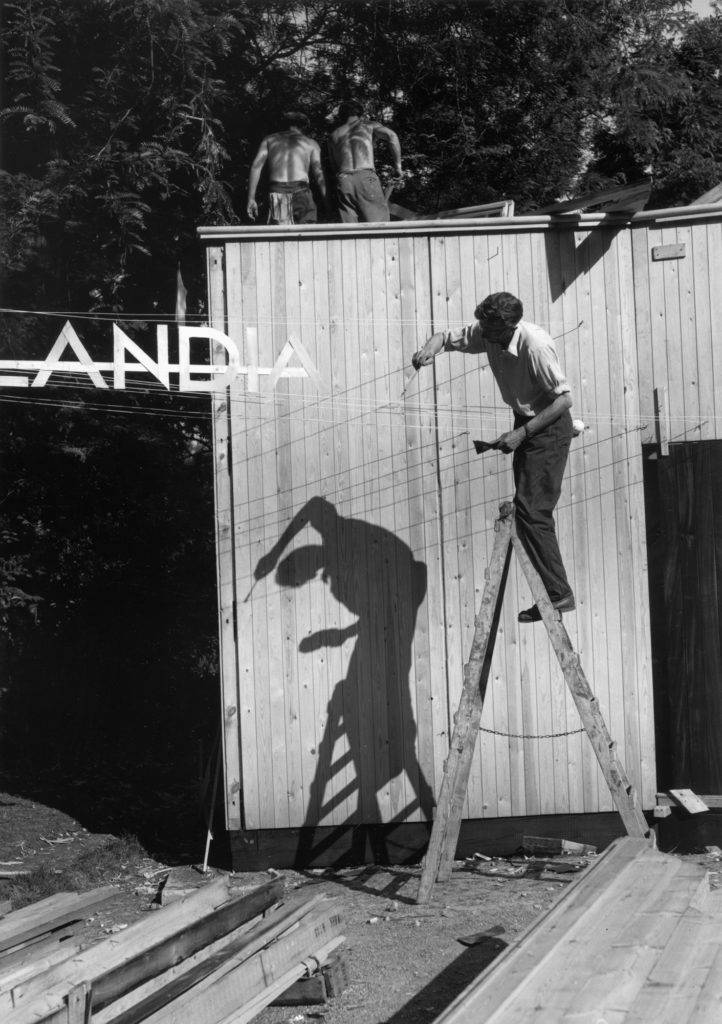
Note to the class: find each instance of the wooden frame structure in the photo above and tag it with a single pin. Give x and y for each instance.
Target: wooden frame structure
(355, 479)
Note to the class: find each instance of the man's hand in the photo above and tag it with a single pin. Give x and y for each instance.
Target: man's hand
(510, 441)
(428, 353)
(252, 209)
(421, 358)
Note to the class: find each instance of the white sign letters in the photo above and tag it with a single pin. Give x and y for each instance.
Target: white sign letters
(224, 366)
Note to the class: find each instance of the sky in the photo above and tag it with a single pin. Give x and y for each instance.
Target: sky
(701, 7)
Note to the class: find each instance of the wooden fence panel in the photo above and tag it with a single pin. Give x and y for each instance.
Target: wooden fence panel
(334, 494)
(362, 520)
(678, 302)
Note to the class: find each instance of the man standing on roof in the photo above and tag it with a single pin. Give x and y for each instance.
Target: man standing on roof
(351, 148)
(291, 156)
(524, 363)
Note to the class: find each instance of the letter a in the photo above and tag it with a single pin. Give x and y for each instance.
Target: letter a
(52, 364)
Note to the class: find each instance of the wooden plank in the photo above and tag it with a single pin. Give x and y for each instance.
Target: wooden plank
(270, 991)
(635, 735)
(38, 946)
(310, 414)
(414, 312)
(647, 372)
(20, 926)
(604, 582)
(244, 785)
(704, 331)
(593, 969)
(501, 208)
(490, 992)
(626, 197)
(582, 513)
(548, 683)
(292, 475)
(172, 984)
(431, 650)
(222, 403)
(148, 945)
(217, 996)
(689, 800)
(35, 959)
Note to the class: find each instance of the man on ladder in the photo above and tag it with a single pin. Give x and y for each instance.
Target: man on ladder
(525, 366)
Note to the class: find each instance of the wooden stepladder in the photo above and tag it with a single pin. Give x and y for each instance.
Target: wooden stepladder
(445, 831)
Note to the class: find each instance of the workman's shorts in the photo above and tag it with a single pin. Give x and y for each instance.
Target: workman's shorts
(291, 202)
(360, 197)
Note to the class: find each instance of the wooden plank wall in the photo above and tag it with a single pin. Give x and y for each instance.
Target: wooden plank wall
(678, 303)
(344, 666)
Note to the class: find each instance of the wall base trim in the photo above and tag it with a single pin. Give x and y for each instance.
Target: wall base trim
(352, 845)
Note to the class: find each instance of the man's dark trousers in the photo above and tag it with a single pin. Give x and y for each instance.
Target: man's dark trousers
(539, 464)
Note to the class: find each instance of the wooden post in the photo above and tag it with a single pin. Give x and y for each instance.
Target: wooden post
(445, 831)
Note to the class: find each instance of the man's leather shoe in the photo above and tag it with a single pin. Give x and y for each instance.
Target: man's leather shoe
(564, 604)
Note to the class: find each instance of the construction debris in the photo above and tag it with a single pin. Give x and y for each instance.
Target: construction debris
(552, 847)
(212, 955)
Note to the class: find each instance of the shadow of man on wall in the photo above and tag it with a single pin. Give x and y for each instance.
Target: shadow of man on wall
(375, 576)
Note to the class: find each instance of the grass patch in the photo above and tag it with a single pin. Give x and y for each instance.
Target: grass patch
(109, 863)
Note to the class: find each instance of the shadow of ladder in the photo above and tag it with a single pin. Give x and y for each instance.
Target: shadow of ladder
(367, 832)
(445, 832)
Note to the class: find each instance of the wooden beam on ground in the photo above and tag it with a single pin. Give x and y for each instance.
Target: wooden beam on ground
(37, 960)
(146, 948)
(637, 937)
(21, 926)
(171, 985)
(57, 945)
(624, 198)
(225, 994)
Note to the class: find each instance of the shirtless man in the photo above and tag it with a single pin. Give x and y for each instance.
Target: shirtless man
(351, 148)
(290, 156)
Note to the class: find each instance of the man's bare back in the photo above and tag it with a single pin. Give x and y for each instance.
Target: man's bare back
(291, 158)
(290, 155)
(351, 145)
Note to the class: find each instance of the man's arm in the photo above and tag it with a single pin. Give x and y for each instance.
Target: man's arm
(254, 177)
(469, 340)
(392, 140)
(511, 440)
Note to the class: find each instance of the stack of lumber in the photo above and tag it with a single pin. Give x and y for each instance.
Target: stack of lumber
(215, 957)
(637, 939)
(46, 932)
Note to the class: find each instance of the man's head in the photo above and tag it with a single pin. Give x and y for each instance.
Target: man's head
(350, 108)
(294, 119)
(498, 315)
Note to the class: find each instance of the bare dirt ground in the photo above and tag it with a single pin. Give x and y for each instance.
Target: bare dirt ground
(404, 962)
